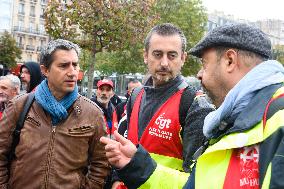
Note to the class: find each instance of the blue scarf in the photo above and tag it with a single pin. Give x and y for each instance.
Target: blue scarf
(57, 109)
(267, 73)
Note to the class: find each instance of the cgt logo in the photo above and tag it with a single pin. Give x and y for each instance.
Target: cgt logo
(162, 122)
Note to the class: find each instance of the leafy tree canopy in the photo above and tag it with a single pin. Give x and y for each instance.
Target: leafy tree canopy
(191, 17)
(9, 52)
(100, 25)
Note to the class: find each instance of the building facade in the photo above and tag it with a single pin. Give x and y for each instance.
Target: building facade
(273, 28)
(6, 11)
(28, 27)
(24, 20)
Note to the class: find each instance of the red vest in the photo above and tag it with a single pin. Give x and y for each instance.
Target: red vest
(162, 134)
(114, 124)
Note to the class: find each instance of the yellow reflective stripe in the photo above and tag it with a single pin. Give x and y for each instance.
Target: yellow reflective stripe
(252, 136)
(237, 140)
(215, 163)
(274, 123)
(165, 178)
(278, 92)
(167, 161)
(266, 181)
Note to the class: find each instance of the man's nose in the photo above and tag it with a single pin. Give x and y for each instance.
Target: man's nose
(165, 61)
(72, 71)
(199, 74)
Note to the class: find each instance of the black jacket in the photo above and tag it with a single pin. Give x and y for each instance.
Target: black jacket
(107, 112)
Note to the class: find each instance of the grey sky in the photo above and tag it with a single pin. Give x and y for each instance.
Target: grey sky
(248, 9)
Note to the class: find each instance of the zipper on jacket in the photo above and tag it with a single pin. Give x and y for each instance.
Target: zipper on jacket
(49, 156)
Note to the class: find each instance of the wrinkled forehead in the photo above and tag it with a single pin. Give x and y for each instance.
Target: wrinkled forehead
(165, 42)
(5, 83)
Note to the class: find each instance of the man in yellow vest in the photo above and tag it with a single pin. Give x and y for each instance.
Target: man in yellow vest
(245, 147)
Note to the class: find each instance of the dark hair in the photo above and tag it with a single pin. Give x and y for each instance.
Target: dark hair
(46, 57)
(165, 29)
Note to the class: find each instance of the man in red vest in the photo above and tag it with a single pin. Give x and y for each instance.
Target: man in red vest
(104, 93)
(166, 116)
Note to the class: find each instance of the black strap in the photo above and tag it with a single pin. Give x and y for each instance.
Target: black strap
(20, 124)
(275, 106)
(134, 94)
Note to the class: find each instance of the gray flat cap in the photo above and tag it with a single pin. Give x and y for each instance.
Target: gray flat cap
(240, 36)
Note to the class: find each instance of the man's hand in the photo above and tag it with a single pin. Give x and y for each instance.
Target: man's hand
(119, 152)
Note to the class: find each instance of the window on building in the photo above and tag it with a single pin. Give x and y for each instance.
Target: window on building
(19, 40)
(42, 12)
(41, 28)
(32, 11)
(30, 41)
(21, 25)
(42, 42)
(30, 57)
(21, 8)
(31, 27)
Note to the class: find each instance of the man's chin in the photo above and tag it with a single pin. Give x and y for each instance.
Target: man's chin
(162, 79)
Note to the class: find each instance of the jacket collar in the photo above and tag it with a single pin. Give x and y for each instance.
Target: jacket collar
(253, 113)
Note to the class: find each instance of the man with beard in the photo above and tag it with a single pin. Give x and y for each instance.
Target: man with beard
(166, 116)
(9, 88)
(31, 76)
(104, 93)
(244, 147)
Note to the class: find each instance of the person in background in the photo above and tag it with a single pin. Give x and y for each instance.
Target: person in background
(166, 116)
(104, 92)
(244, 147)
(9, 87)
(59, 143)
(121, 107)
(30, 75)
(115, 100)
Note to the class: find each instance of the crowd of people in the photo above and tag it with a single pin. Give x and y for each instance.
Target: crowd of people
(167, 134)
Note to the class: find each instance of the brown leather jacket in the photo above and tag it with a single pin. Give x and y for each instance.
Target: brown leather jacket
(66, 156)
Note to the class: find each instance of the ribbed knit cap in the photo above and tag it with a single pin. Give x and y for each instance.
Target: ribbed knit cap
(240, 36)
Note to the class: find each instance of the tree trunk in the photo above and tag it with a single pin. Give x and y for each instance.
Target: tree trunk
(92, 69)
(90, 74)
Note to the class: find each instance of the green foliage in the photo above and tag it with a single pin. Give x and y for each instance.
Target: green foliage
(191, 17)
(86, 58)
(122, 62)
(114, 31)
(9, 52)
(278, 53)
(100, 25)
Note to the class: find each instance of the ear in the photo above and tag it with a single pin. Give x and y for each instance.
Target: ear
(145, 56)
(183, 58)
(15, 91)
(44, 70)
(231, 60)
